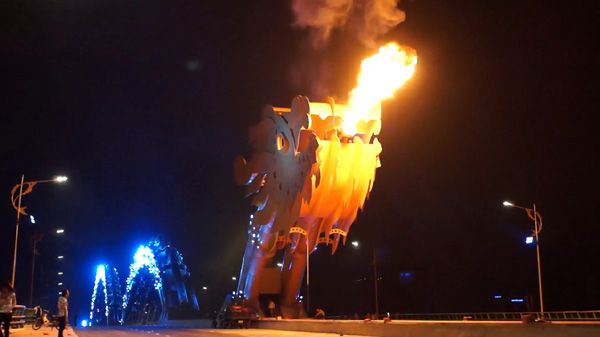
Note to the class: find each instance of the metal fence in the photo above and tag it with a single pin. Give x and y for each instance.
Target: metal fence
(590, 315)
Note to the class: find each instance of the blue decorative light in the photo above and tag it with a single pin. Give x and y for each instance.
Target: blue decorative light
(517, 300)
(143, 258)
(100, 276)
(84, 323)
(497, 297)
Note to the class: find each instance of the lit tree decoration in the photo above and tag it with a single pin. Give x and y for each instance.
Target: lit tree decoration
(144, 257)
(100, 276)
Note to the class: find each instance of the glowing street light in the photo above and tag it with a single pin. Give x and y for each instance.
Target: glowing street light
(205, 288)
(60, 231)
(60, 283)
(534, 215)
(60, 257)
(356, 244)
(234, 278)
(59, 273)
(24, 188)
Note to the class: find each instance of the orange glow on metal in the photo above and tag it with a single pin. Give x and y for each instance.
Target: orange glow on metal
(312, 168)
(343, 174)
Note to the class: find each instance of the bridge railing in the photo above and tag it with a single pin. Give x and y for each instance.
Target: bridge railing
(589, 315)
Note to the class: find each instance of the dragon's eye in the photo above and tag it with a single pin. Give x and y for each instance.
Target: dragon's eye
(282, 143)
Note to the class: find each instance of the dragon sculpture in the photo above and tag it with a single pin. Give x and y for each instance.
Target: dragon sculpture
(307, 180)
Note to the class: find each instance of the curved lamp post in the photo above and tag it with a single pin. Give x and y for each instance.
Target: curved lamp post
(356, 244)
(23, 188)
(534, 215)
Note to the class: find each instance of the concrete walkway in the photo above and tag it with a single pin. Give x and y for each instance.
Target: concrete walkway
(27, 331)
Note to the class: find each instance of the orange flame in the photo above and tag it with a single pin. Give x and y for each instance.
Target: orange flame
(380, 76)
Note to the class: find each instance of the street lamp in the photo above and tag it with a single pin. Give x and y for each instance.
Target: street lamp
(534, 215)
(356, 244)
(60, 231)
(16, 203)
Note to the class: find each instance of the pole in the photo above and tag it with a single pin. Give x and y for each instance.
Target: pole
(32, 274)
(307, 278)
(539, 266)
(14, 269)
(375, 283)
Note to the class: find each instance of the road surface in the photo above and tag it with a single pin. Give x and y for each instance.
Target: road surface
(149, 331)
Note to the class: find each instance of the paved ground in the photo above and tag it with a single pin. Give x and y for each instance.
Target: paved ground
(147, 332)
(44, 331)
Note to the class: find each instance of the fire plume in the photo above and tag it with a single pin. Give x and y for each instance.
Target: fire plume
(380, 76)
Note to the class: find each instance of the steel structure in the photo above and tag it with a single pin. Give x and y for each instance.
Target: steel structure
(158, 286)
(307, 179)
(106, 301)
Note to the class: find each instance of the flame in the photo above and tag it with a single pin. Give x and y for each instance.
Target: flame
(380, 76)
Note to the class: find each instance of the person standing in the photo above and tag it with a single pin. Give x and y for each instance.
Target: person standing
(63, 311)
(271, 307)
(7, 301)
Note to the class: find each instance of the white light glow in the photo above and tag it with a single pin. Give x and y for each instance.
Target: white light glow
(60, 257)
(529, 240)
(204, 288)
(234, 278)
(355, 243)
(60, 231)
(32, 219)
(143, 258)
(100, 276)
(508, 204)
(59, 273)
(279, 264)
(61, 179)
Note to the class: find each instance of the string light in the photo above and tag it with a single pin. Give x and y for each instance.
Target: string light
(143, 258)
(100, 276)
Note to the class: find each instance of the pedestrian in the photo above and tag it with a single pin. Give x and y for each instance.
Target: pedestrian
(63, 311)
(271, 308)
(7, 301)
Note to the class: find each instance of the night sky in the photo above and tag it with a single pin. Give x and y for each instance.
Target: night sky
(145, 104)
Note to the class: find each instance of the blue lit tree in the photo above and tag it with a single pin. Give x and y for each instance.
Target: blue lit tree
(105, 307)
(143, 300)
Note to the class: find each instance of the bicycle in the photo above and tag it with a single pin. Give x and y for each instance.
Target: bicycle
(42, 319)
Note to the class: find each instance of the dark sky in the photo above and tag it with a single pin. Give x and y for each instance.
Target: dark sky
(144, 105)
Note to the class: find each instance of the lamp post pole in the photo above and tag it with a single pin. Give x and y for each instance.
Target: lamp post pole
(16, 203)
(307, 278)
(14, 266)
(375, 283)
(533, 214)
(537, 252)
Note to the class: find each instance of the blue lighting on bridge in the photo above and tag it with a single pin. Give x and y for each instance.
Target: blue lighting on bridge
(498, 297)
(406, 275)
(100, 280)
(143, 258)
(517, 300)
(84, 323)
